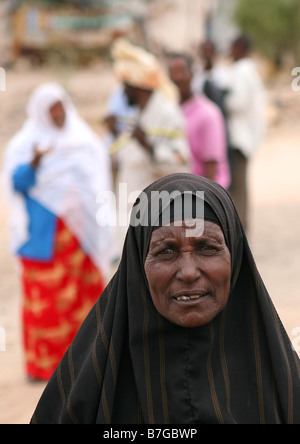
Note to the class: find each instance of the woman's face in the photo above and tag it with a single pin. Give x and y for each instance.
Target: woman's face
(189, 277)
(58, 114)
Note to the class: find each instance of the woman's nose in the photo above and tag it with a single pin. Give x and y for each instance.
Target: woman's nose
(188, 269)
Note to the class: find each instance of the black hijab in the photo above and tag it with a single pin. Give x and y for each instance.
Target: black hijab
(129, 365)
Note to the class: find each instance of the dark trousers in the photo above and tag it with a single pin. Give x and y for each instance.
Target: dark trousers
(239, 186)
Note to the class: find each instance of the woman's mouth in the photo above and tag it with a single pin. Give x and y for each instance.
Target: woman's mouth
(185, 297)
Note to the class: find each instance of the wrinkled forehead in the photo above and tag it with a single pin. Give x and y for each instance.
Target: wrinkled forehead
(189, 232)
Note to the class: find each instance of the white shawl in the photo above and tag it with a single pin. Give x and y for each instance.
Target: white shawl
(69, 176)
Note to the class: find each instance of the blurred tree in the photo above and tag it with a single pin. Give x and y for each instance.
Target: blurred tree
(273, 26)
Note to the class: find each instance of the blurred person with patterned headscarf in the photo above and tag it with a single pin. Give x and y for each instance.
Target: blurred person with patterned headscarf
(153, 142)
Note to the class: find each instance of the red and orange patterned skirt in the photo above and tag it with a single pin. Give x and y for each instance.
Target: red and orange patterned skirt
(57, 297)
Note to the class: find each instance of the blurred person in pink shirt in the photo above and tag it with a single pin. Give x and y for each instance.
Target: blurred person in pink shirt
(205, 125)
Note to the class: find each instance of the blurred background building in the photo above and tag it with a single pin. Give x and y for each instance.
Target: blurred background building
(77, 28)
(71, 28)
(221, 27)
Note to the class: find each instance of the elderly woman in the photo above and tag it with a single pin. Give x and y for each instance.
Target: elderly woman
(185, 333)
(55, 167)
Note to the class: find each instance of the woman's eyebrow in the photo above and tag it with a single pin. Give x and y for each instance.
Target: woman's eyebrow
(207, 239)
(164, 240)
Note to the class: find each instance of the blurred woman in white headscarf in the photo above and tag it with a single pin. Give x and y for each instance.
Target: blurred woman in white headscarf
(54, 169)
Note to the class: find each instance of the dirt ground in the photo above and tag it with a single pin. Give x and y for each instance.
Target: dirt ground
(274, 181)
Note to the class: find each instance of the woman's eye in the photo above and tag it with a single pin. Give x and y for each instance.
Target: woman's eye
(207, 249)
(167, 251)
